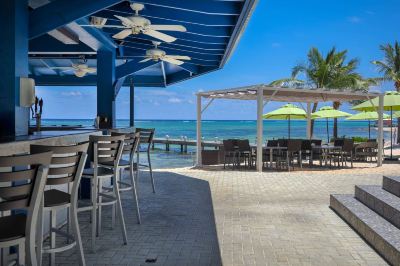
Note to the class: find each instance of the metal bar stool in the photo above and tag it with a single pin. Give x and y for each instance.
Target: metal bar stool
(21, 189)
(66, 168)
(132, 141)
(146, 137)
(106, 149)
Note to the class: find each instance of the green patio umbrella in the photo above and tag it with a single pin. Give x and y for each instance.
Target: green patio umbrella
(371, 115)
(391, 102)
(328, 112)
(287, 112)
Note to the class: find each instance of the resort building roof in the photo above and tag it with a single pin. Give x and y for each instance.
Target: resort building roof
(213, 29)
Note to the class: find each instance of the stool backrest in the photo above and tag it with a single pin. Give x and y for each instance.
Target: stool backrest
(132, 141)
(146, 136)
(67, 162)
(24, 178)
(107, 149)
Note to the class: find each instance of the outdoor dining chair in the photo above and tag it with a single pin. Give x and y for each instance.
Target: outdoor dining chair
(146, 140)
(23, 180)
(130, 149)
(65, 171)
(230, 152)
(366, 150)
(245, 152)
(106, 149)
(292, 152)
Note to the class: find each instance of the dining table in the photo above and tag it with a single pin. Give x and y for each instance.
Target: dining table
(324, 150)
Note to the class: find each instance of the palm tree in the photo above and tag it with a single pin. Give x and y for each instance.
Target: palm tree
(390, 68)
(331, 71)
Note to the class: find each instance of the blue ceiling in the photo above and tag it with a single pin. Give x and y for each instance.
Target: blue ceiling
(213, 29)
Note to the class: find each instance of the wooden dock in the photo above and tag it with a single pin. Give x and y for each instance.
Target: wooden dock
(184, 143)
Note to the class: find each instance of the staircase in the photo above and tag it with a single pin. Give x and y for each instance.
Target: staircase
(374, 213)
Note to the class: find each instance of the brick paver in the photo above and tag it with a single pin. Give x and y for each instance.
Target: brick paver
(233, 218)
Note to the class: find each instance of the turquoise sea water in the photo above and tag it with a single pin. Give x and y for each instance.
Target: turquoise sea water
(223, 129)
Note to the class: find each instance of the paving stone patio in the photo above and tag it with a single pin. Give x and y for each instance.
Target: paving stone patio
(233, 218)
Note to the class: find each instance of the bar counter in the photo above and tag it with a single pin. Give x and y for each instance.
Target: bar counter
(20, 144)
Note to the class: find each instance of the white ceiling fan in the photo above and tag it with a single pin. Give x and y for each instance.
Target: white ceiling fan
(157, 54)
(80, 70)
(137, 24)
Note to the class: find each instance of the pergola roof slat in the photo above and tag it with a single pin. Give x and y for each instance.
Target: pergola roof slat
(289, 94)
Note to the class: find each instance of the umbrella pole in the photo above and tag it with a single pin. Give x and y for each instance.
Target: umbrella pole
(369, 129)
(289, 126)
(327, 128)
(391, 132)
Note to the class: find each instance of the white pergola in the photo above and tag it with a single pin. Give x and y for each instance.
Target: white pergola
(264, 94)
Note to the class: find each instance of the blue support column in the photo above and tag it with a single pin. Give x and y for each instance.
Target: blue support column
(131, 103)
(13, 65)
(106, 87)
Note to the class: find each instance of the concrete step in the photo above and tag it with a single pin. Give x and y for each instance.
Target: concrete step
(383, 236)
(380, 201)
(392, 184)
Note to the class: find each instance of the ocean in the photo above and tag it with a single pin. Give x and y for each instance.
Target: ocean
(223, 129)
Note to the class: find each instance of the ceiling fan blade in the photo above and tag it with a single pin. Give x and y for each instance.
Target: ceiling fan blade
(159, 35)
(80, 73)
(172, 61)
(105, 26)
(145, 60)
(168, 27)
(122, 34)
(125, 20)
(90, 70)
(179, 57)
(66, 68)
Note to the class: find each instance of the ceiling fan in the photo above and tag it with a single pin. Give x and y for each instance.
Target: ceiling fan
(137, 24)
(80, 70)
(157, 54)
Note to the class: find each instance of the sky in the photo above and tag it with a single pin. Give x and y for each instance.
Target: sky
(278, 36)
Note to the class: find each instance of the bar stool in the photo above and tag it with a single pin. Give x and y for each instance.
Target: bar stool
(131, 147)
(66, 169)
(146, 137)
(106, 149)
(21, 189)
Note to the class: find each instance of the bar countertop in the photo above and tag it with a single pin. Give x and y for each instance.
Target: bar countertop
(20, 144)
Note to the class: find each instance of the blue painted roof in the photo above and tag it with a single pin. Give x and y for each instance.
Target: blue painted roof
(213, 29)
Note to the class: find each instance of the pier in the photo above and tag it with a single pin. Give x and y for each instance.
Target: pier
(184, 143)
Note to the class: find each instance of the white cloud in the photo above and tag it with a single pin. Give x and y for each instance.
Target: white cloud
(174, 100)
(354, 19)
(71, 93)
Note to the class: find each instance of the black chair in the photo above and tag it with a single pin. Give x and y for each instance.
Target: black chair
(348, 151)
(317, 153)
(230, 152)
(245, 152)
(287, 156)
(306, 150)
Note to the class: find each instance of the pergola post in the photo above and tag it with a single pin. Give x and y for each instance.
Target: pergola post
(380, 130)
(198, 132)
(309, 136)
(259, 128)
